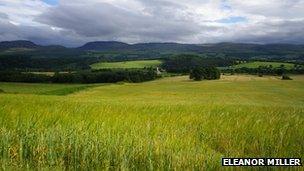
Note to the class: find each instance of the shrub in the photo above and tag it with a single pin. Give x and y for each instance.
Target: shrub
(286, 77)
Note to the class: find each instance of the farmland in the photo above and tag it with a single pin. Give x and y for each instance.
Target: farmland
(171, 123)
(46, 89)
(127, 64)
(256, 64)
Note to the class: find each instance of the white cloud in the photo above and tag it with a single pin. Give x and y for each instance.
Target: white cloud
(73, 22)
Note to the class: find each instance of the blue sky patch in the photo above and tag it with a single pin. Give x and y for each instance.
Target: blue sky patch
(51, 2)
(232, 20)
(225, 5)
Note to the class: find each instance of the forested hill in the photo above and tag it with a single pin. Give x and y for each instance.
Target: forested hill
(28, 55)
(18, 44)
(153, 50)
(229, 48)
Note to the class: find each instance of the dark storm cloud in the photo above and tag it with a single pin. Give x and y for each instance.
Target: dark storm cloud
(40, 34)
(110, 22)
(283, 31)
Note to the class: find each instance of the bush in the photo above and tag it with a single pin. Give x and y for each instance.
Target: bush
(286, 77)
(1, 91)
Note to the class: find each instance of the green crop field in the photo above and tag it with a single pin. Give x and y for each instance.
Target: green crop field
(256, 64)
(127, 64)
(46, 89)
(167, 124)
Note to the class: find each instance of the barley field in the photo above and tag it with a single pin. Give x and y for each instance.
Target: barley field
(167, 124)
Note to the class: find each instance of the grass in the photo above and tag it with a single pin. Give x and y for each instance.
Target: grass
(127, 64)
(256, 64)
(168, 124)
(46, 89)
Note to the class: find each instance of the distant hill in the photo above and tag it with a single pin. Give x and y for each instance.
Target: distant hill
(245, 47)
(237, 49)
(26, 55)
(119, 46)
(175, 47)
(105, 46)
(165, 47)
(18, 44)
(152, 50)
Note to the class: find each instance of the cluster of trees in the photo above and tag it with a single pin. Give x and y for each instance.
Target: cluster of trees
(17, 76)
(207, 73)
(26, 62)
(102, 76)
(264, 71)
(185, 62)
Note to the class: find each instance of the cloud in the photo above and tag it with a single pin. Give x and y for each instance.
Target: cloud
(3, 16)
(75, 22)
(108, 21)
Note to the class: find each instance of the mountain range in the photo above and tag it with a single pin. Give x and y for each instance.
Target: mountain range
(229, 49)
(114, 45)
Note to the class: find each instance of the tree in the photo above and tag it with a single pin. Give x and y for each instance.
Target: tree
(209, 73)
(197, 74)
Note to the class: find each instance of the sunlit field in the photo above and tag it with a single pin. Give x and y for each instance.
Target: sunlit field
(257, 64)
(127, 64)
(171, 123)
(43, 89)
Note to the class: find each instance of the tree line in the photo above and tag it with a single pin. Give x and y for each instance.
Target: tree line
(264, 71)
(184, 63)
(100, 76)
(26, 62)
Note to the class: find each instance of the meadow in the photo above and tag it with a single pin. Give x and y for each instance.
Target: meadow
(256, 64)
(43, 89)
(127, 64)
(166, 124)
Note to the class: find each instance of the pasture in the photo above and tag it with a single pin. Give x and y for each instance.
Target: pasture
(127, 64)
(256, 64)
(167, 124)
(46, 89)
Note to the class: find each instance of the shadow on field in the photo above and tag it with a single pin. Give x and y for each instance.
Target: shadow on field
(67, 90)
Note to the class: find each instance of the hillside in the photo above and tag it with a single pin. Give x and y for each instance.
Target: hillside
(17, 44)
(28, 55)
(236, 49)
(105, 46)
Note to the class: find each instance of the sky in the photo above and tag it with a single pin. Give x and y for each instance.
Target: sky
(74, 22)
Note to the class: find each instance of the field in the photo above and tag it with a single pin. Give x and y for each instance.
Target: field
(256, 64)
(167, 124)
(127, 64)
(43, 89)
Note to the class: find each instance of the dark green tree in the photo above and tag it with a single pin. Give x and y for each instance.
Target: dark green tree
(208, 73)
(197, 74)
